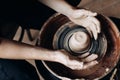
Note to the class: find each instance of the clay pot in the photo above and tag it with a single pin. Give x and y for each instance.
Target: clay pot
(106, 63)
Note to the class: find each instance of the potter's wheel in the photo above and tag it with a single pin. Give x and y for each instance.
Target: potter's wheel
(106, 63)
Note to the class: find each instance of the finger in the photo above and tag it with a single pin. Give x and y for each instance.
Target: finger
(89, 31)
(87, 23)
(75, 65)
(78, 66)
(83, 13)
(90, 64)
(90, 58)
(94, 31)
(84, 55)
(89, 13)
(96, 22)
(77, 14)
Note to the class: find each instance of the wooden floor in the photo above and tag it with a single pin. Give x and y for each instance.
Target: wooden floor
(105, 7)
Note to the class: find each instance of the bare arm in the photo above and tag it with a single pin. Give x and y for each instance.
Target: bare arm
(15, 50)
(59, 5)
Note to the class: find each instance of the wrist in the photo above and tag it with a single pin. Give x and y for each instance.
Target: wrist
(56, 56)
(70, 12)
(60, 57)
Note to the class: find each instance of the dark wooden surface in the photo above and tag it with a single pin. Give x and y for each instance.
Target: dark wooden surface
(105, 7)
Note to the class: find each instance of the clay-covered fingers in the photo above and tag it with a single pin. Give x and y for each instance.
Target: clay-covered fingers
(75, 64)
(69, 60)
(93, 25)
(87, 19)
(90, 23)
(90, 58)
(96, 22)
(82, 13)
(90, 64)
(96, 26)
(93, 30)
(88, 13)
(81, 65)
(85, 63)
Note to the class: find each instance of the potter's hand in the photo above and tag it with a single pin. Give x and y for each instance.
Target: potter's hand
(76, 15)
(86, 19)
(72, 62)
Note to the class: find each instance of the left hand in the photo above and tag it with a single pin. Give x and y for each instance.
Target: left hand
(86, 19)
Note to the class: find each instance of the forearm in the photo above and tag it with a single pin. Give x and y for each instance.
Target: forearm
(59, 5)
(15, 50)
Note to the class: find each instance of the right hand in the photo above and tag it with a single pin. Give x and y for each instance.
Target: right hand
(73, 62)
(86, 19)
